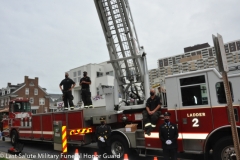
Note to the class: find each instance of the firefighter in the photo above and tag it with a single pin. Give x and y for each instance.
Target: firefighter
(168, 134)
(152, 113)
(103, 133)
(86, 94)
(68, 84)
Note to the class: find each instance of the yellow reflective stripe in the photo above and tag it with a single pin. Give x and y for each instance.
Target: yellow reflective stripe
(147, 124)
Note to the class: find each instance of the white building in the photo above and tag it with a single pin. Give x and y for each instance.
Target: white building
(101, 73)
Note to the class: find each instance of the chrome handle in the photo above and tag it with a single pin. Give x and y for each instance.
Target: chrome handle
(176, 112)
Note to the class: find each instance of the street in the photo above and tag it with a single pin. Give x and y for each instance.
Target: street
(40, 151)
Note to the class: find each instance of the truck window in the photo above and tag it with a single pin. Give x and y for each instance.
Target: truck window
(194, 91)
(221, 96)
(22, 107)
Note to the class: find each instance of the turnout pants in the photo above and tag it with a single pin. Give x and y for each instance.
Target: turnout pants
(170, 154)
(67, 98)
(150, 120)
(86, 97)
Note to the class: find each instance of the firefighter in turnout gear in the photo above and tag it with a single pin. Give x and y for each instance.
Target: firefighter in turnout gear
(68, 84)
(86, 94)
(152, 113)
(103, 133)
(168, 134)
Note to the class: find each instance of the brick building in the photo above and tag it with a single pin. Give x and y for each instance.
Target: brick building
(30, 89)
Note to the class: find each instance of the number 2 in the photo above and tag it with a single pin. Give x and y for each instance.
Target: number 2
(195, 122)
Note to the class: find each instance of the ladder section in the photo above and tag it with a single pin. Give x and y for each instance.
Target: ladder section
(123, 46)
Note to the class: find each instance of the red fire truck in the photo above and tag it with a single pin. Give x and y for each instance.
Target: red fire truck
(196, 101)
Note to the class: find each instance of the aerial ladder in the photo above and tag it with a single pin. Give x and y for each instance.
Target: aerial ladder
(127, 57)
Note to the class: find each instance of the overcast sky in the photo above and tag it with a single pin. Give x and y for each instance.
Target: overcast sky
(45, 38)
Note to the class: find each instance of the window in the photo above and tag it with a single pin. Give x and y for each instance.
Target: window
(160, 63)
(238, 45)
(31, 100)
(110, 73)
(79, 73)
(34, 111)
(194, 91)
(31, 84)
(221, 96)
(35, 91)
(8, 91)
(99, 74)
(173, 59)
(74, 74)
(232, 47)
(75, 80)
(210, 52)
(79, 79)
(41, 101)
(26, 91)
(165, 62)
(193, 53)
(22, 107)
(3, 92)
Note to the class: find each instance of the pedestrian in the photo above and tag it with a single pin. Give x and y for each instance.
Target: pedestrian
(68, 84)
(103, 133)
(152, 112)
(86, 94)
(168, 134)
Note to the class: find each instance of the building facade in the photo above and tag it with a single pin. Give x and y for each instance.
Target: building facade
(101, 73)
(196, 58)
(38, 97)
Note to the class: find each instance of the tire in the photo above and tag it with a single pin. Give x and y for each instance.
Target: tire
(14, 137)
(118, 145)
(224, 149)
(3, 138)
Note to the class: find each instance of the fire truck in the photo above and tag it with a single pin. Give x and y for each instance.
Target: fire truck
(196, 101)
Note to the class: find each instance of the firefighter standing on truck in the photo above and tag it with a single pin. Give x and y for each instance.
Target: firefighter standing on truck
(68, 84)
(152, 113)
(168, 134)
(103, 133)
(86, 94)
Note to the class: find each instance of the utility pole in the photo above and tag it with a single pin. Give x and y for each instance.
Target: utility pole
(223, 67)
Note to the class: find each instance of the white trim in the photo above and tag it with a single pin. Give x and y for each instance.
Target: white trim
(47, 132)
(181, 135)
(34, 107)
(19, 88)
(25, 131)
(194, 135)
(37, 132)
(43, 90)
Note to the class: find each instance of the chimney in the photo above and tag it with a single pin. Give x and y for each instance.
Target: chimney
(26, 79)
(36, 81)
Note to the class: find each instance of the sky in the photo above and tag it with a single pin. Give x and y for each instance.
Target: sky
(46, 38)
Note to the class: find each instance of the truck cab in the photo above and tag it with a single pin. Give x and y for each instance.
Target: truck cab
(19, 116)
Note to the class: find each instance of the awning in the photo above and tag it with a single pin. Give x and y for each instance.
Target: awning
(53, 107)
(34, 107)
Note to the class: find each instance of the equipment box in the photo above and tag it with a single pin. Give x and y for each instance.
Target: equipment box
(131, 127)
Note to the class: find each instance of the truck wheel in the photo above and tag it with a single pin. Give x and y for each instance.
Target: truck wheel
(224, 149)
(14, 137)
(118, 145)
